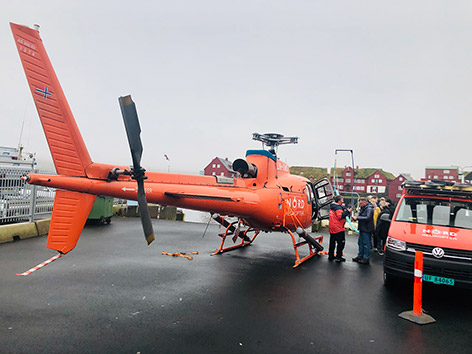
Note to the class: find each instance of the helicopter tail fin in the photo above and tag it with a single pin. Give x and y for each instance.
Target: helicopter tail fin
(67, 147)
(68, 150)
(69, 215)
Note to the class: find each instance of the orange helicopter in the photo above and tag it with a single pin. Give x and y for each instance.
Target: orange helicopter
(264, 196)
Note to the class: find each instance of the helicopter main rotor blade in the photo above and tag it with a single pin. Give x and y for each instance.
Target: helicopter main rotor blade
(133, 131)
(144, 212)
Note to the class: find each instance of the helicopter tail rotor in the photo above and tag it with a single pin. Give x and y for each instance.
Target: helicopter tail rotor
(133, 131)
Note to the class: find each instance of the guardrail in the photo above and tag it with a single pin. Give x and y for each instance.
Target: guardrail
(20, 201)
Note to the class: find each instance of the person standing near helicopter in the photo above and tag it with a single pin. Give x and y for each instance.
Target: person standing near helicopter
(337, 219)
(366, 227)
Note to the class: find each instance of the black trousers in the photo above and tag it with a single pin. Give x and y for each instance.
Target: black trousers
(340, 240)
(375, 239)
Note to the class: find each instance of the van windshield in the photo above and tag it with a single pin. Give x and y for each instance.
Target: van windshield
(432, 211)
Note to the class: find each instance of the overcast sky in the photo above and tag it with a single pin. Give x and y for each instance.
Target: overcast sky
(391, 80)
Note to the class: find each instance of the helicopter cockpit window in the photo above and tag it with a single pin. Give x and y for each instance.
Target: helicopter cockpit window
(323, 192)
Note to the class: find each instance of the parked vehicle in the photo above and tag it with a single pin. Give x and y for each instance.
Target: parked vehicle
(434, 217)
(102, 210)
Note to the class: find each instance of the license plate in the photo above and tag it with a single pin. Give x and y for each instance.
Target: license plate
(438, 280)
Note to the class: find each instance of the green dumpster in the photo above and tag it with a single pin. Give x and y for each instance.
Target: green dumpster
(102, 210)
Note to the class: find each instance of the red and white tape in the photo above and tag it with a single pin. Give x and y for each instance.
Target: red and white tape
(52, 259)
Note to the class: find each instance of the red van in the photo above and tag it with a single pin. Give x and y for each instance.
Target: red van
(434, 217)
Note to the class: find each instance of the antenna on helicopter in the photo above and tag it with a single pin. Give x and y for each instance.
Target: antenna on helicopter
(273, 140)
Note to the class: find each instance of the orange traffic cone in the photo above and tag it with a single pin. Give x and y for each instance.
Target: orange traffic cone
(417, 315)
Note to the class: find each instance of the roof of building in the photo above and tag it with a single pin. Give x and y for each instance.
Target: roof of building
(339, 171)
(228, 164)
(441, 167)
(407, 176)
(364, 172)
(367, 172)
(312, 173)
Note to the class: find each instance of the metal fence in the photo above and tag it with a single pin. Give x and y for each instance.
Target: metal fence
(20, 201)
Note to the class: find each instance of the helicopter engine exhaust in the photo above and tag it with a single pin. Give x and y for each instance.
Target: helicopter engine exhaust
(246, 169)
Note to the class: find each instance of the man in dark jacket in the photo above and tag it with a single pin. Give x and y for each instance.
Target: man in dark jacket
(391, 207)
(383, 224)
(337, 219)
(366, 227)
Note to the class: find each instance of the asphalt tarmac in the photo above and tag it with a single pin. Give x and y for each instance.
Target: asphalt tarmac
(114, 294)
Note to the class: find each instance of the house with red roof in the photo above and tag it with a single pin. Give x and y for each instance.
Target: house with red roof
(395, 187)
(219, 167)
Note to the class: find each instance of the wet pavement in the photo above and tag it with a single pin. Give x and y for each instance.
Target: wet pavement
(114, 294)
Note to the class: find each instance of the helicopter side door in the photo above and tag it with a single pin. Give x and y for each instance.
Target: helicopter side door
(323, 197)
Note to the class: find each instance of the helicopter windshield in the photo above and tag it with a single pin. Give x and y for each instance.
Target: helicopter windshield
(310, 195)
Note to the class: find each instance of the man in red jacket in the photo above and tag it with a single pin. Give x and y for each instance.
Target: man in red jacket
(337, 219)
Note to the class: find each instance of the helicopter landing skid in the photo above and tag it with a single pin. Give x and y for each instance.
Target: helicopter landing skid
(312, 249)
(231, 230)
